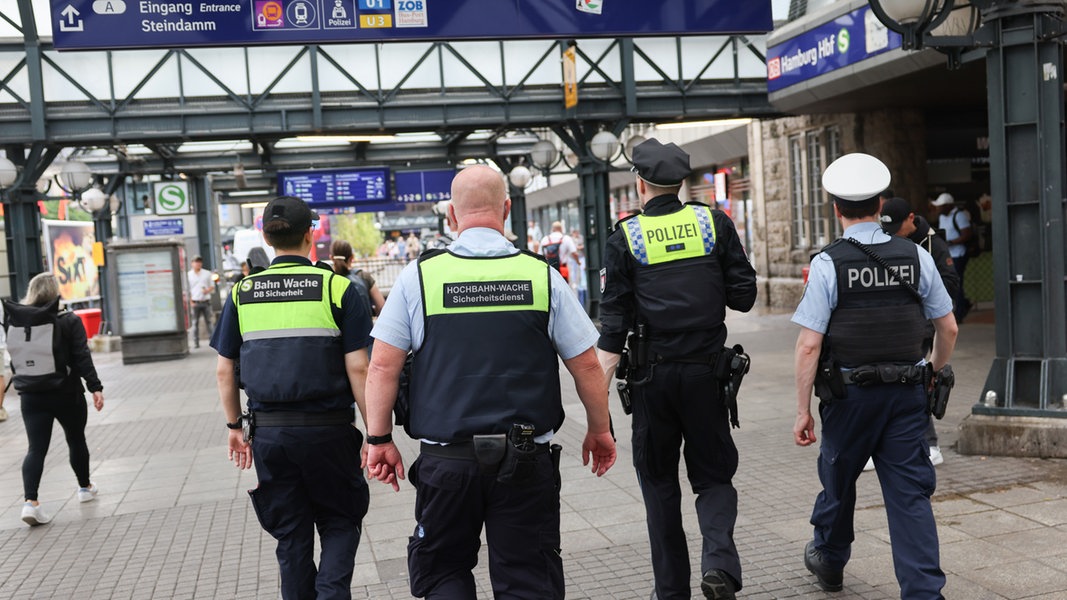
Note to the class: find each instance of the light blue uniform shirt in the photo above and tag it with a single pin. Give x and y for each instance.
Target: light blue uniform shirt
(401, 322)
(820, 294)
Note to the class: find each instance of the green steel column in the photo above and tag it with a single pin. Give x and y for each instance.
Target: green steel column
(596, 222)
(518, 214)
(1027, 158)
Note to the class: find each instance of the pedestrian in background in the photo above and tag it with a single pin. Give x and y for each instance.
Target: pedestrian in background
(200, 285)
(956, 223)
(51, 390)
(671, 272)
(343, 261)
(485, 322)
(898, 219)
(299, 334)
(863, 319)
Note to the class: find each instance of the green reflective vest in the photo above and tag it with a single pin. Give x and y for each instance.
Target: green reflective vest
(687, 233)
(487, 361)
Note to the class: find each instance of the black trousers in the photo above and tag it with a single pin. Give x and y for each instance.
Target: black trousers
(309, 478)
(38, 414)
(682, 405)
(201, 309)
(452, 502)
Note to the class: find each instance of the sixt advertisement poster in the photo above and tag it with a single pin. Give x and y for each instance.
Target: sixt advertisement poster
(107, 24)
(847, 40)
(69, 246)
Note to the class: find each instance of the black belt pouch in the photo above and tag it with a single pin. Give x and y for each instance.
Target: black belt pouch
(489, 451)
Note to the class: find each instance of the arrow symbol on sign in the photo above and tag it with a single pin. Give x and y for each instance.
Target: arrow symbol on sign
(72, 23)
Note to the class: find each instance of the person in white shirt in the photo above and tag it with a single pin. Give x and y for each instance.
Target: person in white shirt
(200, 285)
(955, 221)
(558, 248)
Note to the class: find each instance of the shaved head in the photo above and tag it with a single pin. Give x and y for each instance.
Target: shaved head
(479, 198)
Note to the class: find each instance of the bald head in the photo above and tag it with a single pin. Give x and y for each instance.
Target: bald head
(479, 198)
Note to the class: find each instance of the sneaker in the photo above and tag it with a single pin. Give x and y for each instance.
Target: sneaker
(34, 515)
(718, 585)
(829, 579)
(88, 494)
(870, 464)
(3, 414)
(935, 455)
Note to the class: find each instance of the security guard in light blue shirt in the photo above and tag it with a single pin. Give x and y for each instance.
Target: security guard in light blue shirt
(863, 322)
(486, 324)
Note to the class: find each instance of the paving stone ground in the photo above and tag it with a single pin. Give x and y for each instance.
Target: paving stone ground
(173, 521)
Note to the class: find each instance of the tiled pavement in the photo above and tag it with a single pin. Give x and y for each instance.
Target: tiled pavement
(173, 521)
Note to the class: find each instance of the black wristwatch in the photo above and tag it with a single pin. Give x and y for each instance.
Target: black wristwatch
(235, 425)
(375, 440)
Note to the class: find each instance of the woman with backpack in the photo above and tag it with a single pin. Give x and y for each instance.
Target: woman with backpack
(48, 364)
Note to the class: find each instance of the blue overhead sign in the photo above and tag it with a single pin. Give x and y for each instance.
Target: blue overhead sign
(107, 24)
(336, 187)
(845, 41)
(161, 227)
(424, 186)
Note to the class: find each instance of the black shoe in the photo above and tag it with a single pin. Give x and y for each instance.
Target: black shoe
(829, 578)
(718, 585)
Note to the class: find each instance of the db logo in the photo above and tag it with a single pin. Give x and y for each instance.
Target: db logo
(774, 68)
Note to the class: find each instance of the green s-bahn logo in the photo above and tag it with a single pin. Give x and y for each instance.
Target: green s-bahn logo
(172, 199)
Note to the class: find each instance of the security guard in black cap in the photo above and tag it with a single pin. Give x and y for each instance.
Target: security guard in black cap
(669, 275)
(863, 320)
(299, 335)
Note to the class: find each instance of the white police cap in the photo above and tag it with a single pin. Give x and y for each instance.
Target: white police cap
(855, 177)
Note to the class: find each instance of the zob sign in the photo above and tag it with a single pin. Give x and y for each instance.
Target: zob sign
(172, 198)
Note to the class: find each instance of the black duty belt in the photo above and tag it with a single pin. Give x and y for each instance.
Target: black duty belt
(462, 450)
(884, 373)
(690, 359)
(285, 418)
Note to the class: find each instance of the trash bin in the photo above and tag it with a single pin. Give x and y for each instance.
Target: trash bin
(90, 320)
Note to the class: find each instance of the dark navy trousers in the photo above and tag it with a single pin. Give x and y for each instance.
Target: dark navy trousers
(683, 403)
(887, 422)
(309, 477)
(452, 502)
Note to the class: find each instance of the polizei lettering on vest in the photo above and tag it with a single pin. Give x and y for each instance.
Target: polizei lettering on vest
(877, 277)
(280, 288)
(488, 293)
(672, 232)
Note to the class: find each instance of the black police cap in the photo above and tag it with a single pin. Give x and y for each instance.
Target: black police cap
(665, 165)
(291, 210)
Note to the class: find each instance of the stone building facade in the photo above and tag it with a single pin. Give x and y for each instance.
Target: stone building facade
(793, 216)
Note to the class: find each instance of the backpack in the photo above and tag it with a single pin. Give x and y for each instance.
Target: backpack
(551, 253)
(361, 290)
(975, 244)
(39, 357)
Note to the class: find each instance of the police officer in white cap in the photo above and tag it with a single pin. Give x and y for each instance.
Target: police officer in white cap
(862, 318)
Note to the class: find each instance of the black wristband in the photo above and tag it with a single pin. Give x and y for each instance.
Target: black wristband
(375, 440)
(234, 425)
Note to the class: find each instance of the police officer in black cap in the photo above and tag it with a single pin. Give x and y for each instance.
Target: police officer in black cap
(669, 275)
(300, 336)
(863, 320)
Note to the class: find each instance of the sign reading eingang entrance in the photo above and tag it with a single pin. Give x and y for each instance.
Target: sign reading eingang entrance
(108, 24)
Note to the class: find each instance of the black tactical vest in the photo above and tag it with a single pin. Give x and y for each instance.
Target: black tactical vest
(877, 320)
(487, 361)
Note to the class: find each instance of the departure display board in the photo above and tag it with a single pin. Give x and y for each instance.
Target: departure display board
(336, 187)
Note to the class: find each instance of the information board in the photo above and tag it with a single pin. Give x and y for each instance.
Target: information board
(423, 186)
(336, 187)
(146, 291)
(106, 24)
(826, 47)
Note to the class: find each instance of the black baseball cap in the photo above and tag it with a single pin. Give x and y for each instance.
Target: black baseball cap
(894, 211)
(665, 165)
(291, 210)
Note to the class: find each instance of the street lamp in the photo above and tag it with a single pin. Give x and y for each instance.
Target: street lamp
(75, 177)
(1026, 388)
(8, 172)
(604, 145)
(93, 199)
(520, 177)
(632, 142)
(544, 155)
